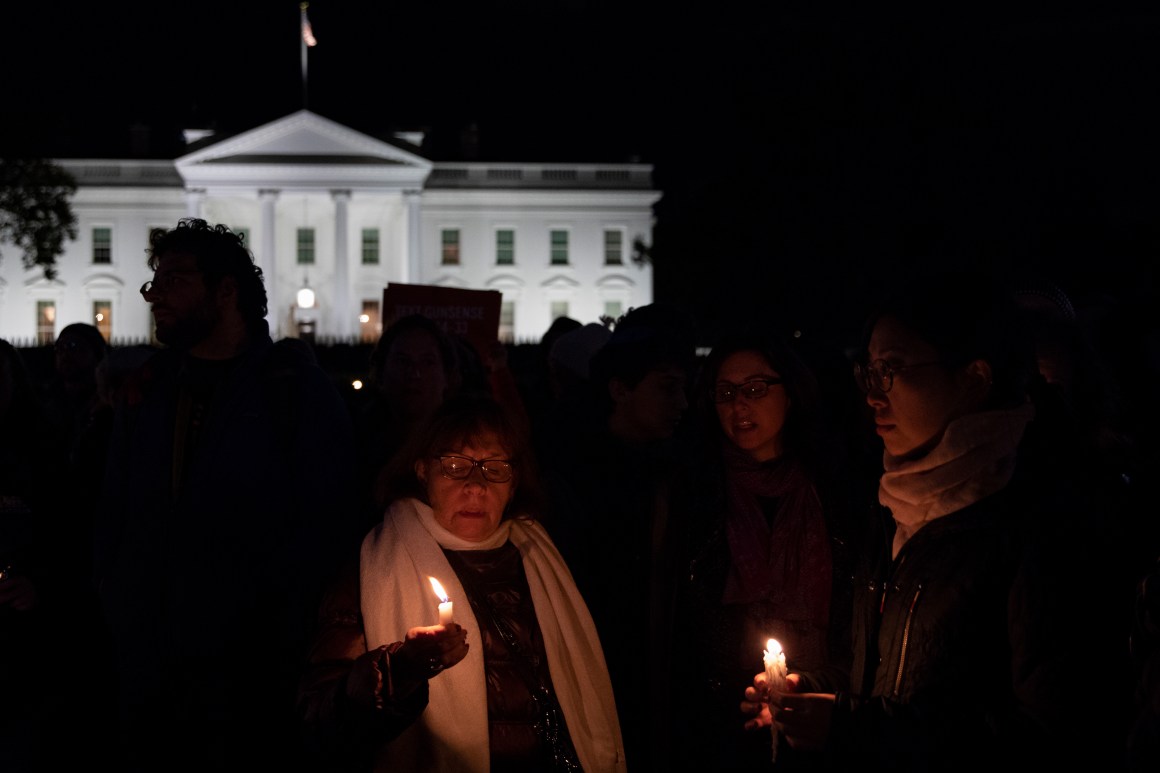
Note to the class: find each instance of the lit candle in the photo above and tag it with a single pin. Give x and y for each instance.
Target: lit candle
(444, 602)
(774, 677)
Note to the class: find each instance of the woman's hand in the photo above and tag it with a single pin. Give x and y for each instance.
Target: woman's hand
(425, 652)
(434, 648)
(756, 705)
(803, 718)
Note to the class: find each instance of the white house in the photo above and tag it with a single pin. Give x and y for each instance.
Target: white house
(326, 207)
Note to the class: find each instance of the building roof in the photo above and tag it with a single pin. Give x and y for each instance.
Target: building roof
(307, 151)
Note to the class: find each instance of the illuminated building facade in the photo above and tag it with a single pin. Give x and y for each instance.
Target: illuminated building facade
(326, 208)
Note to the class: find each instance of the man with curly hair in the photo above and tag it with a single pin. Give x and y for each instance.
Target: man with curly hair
(227, 497)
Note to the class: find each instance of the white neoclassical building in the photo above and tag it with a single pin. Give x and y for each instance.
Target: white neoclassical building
(326, 207)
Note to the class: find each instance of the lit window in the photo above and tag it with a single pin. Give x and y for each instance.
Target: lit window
(613, 309)
(559, 248)
(245, 234)
(505, 247)
(507, 322)
(450, 241)
(370, 246)
(613, 247)
(102, 245)
(103, 318)
(368, 322)
(45, 322)
(559, 309)
(305, 246)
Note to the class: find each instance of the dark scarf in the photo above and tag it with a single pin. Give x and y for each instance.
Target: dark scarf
(785, 561)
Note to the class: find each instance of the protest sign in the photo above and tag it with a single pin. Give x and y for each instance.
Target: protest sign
(470, 314)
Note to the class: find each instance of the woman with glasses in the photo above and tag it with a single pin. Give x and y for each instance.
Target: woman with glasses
(971, 612)
(510, 675)
(767, 538)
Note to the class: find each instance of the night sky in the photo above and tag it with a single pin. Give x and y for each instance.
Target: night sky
(806, 153)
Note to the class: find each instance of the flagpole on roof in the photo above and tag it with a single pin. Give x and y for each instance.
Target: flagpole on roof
(308, 41)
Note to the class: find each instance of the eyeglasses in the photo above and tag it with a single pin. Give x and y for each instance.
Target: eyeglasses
(879, 374)
(460, 467)
(163, 283)
(754, 389)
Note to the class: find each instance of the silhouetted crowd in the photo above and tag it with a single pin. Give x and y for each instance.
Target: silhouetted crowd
(213, 558)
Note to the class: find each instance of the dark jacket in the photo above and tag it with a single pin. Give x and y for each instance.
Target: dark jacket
(341, 735)
(210, 571)
(610, 518)
(718, 646)
(975, 645)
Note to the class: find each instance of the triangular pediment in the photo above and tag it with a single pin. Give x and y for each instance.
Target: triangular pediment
(560, 283)
(305, 152)
(302, 138)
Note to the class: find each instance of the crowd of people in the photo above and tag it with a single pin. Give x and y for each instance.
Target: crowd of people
(211, 559)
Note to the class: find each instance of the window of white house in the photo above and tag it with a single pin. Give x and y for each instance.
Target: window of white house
(370, 246)
(103, 318)
(505, 247)
(45, 322)
(102, 245)
(558, 309)
(305, 246)
(507, 322)
(613, 309)
(613, 247)
(244, 233)
(559, 248)
(450, 242)
(369, 325)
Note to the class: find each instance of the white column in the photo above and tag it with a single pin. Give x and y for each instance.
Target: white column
(194, 201)
(341, 313)
(412, 273)
(267, 261)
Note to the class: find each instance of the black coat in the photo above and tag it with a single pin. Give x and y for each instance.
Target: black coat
(210, 579)
(717, 646)
(980, 642)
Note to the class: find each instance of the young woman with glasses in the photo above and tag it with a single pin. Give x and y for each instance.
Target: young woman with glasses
(767, 539)
(516, 678)
(975, 601)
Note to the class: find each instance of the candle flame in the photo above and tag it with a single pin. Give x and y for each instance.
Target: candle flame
(442, 594)
(773, 647)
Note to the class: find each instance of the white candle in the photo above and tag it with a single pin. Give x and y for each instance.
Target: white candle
(775, 674)
(445, 614)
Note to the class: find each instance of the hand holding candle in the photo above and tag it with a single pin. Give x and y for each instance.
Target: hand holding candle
(445, 613)
(775, 673)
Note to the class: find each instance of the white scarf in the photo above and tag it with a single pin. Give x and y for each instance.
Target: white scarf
(452, 733)
(974, 458)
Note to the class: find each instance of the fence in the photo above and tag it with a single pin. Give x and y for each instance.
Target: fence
(345, 359)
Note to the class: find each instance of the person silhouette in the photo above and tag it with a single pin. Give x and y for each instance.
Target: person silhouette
(609, 473)
(29, 458)
(413, 368)
(227, 499)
